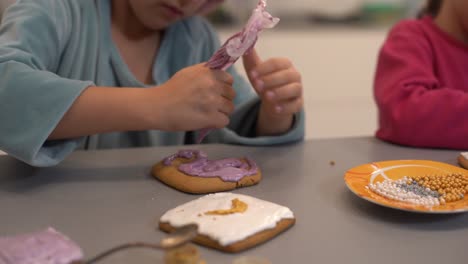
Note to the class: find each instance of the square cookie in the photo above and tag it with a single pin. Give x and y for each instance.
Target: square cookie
(230, 222)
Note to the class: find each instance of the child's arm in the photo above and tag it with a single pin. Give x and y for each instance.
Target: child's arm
(193, 98)
(414, 108)
(32, 97)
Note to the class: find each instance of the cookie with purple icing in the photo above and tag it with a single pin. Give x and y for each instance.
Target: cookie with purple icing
(191, 171)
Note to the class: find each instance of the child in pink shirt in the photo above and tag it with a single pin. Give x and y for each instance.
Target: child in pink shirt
(421, 82)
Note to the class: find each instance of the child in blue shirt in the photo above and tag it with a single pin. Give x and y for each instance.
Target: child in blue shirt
(97, 74)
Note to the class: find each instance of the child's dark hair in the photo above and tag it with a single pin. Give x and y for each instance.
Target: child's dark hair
(432, 8)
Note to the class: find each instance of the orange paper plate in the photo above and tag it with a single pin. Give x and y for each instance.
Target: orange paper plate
(359, 177)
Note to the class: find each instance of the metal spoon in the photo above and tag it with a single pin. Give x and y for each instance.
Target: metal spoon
(175, 239)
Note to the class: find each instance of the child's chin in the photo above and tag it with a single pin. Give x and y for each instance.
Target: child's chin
(160, 25)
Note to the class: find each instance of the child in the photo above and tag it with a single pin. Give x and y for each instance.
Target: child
(421, 83)
(69, 72)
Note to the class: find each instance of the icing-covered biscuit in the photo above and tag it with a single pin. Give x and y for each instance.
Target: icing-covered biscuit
(191, 171)
(230, 229)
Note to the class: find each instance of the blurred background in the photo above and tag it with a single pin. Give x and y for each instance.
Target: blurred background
(334, 44)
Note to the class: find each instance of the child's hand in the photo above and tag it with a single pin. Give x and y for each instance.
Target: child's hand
(197, 97)
(279, 86)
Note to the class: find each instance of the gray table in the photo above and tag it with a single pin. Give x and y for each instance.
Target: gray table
(103, 198)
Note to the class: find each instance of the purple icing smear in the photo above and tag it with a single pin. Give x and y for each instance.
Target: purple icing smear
(43, 247)
(230, 170)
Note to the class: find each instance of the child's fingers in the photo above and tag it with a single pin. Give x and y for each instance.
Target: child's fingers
(270, 66)
(284, 93)
(223, 76)
(251, 61)
(218, 120)
(289, 107)
(228, 92)
(278, 78)
(225, 106)
(218, 115)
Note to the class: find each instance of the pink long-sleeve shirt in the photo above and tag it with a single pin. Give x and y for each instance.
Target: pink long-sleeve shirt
(421, 87)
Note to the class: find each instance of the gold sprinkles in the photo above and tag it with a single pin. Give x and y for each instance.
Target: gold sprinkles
(451, 187)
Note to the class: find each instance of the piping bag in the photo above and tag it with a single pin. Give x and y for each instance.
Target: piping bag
(239, 44)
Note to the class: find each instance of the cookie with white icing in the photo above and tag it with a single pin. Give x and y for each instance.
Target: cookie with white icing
(230, 222)
(191, 171)
(463, 160)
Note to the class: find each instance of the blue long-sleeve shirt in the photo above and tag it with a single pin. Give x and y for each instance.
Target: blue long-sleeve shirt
(51, 50)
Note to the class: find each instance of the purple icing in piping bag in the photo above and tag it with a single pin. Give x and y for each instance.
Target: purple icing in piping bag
(43, 247)
(231, 170)
(240, 43)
